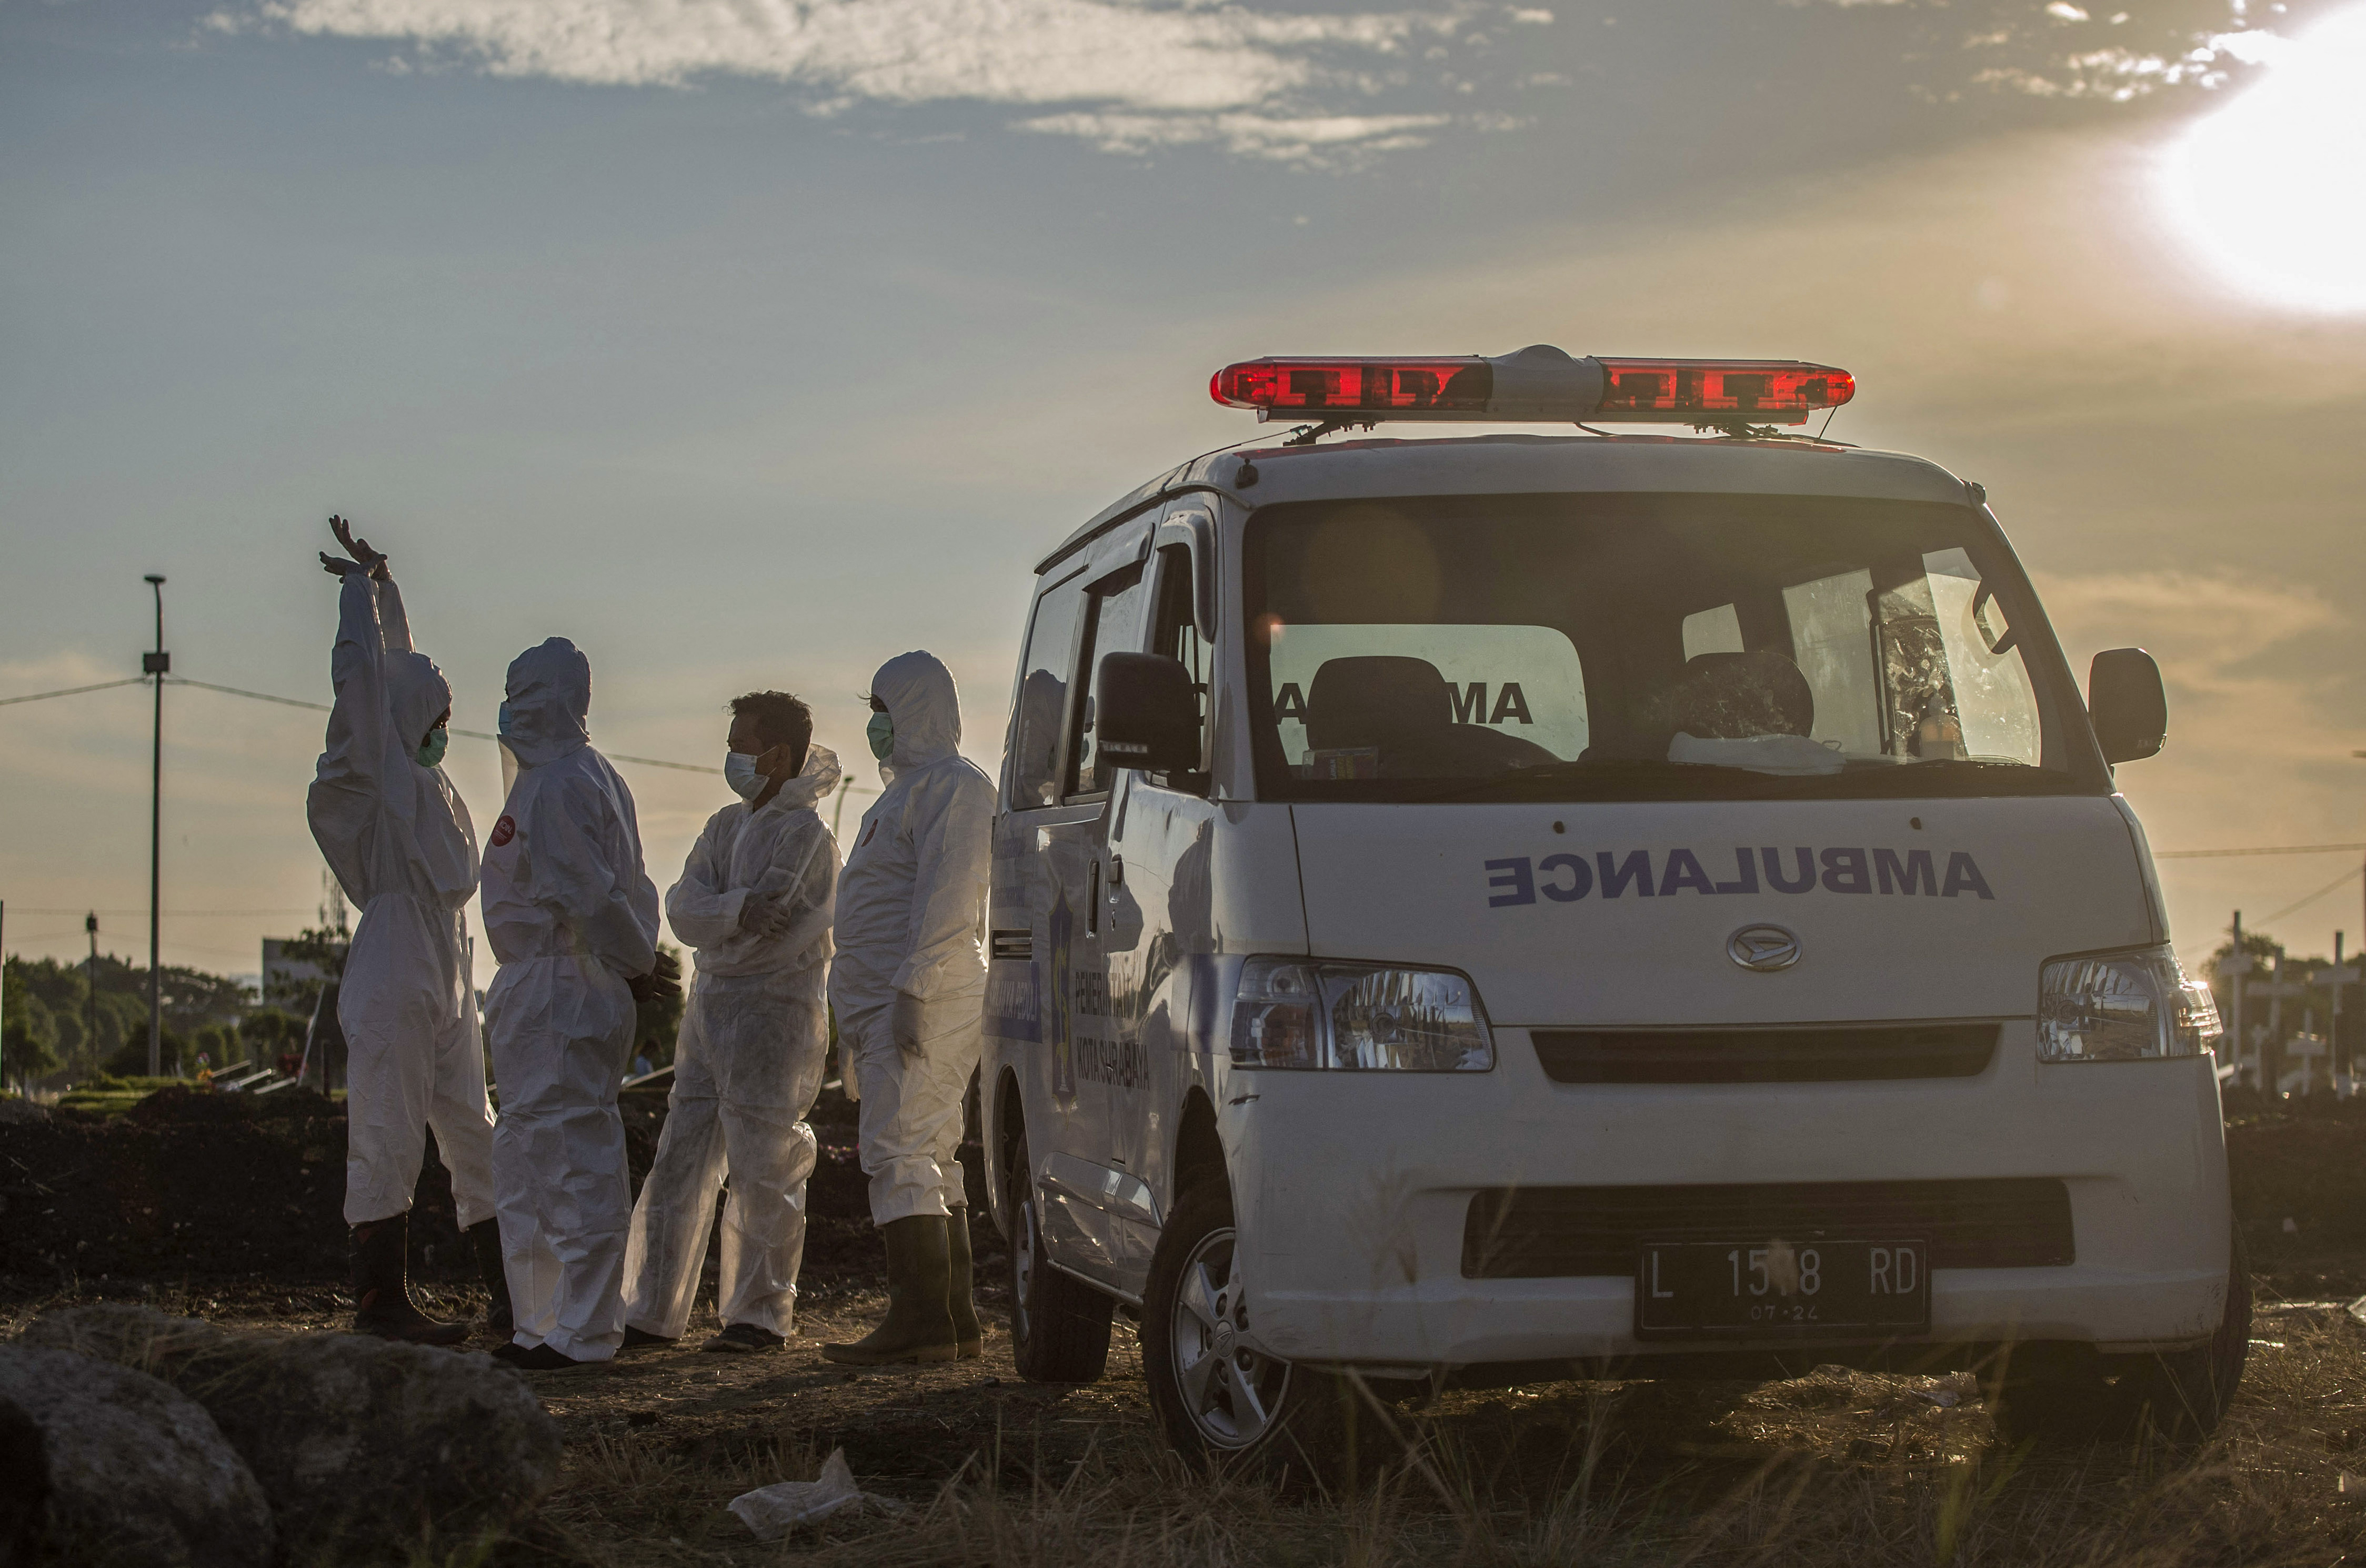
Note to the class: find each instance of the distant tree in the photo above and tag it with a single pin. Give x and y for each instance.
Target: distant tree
(130, 1060)
(191, 999)
(2263, 950)
(71, 1035)
(27, 1056)
(268, 1030)
(324, 947)
(28, 1035)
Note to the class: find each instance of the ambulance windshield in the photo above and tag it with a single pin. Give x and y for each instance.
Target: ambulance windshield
(1650, 646)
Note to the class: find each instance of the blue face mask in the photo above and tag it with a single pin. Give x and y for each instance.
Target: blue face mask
(431, 751)
(740, 772)
(881, 731)
(504, 724)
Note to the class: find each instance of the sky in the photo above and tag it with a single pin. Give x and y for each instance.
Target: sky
(749, 342)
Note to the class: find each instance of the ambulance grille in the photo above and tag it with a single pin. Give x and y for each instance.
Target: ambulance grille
(1546, 1233)
(1827, 1055)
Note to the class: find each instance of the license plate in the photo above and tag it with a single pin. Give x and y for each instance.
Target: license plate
(1781, 1288)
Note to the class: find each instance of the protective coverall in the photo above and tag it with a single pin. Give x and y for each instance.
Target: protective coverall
(909, 907)
(399, 839)
(572, 917)
(746, 1065)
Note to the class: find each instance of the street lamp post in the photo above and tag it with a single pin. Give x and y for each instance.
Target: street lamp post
(157, 665)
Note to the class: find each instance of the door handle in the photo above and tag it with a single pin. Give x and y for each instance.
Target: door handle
(1093, 900)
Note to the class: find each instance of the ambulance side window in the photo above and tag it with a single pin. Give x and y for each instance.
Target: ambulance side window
(1044, 697)
(1116, 610)
(1177, 632)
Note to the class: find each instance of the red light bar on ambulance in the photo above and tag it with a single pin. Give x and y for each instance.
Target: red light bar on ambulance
(1537, 383)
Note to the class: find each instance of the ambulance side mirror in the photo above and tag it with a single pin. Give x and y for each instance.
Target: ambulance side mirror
(1146, 715)
(2127, 705)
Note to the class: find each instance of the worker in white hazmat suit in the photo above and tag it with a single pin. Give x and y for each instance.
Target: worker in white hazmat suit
(909, 986)
(399, 839)
(573, 918)
(755, 902)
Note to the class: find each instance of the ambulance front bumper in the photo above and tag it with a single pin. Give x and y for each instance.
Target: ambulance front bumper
(1355, 1194)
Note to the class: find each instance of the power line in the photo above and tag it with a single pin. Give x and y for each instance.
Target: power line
(169, 914)
(237, 692)
(2349, 876)
(324, 707)
(470, 734)
(74, 690)
(2279, 850)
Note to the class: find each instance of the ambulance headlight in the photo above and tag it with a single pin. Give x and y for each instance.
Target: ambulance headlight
(1358, 1017)
(2123, 1007)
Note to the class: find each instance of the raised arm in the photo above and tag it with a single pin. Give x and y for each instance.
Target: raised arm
(358, 741)
(394, 626)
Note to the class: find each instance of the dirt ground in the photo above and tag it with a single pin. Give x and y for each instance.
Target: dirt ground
(995, 1471)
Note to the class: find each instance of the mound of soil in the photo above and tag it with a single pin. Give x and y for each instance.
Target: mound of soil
(183, 1183)
(189, 1185)
(2304, 1163)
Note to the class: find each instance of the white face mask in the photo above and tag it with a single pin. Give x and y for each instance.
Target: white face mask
(740, 772)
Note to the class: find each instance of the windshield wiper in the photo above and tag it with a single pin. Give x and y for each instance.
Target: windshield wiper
(1653, 778)
(1611, 772)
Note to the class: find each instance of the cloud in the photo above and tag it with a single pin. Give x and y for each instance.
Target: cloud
(1140, 74)
(1296, 140)
(2166, 51)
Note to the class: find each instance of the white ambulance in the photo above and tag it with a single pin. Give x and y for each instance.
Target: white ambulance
(1494, 907)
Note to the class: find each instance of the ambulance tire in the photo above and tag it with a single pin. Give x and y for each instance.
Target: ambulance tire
(2047, 1394)
(1222, 1407)
(2064, 1393)
(2180, 1398)
(1059, 1325)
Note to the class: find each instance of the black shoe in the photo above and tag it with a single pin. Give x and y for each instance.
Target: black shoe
(485, 1237)
(744, 1339)
(642, 1340)
(541, 1358)
(382, 1303)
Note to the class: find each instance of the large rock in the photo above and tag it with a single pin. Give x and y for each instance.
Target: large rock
(368, 1451)
(24, 1485)
(138, 1474)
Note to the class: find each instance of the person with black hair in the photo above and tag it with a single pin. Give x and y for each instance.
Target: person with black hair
(755, 903)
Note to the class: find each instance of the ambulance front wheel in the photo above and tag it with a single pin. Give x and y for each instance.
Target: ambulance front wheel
(1223, 1404)
(1059, 1325)
(2180, 1397)
(2059, 1393)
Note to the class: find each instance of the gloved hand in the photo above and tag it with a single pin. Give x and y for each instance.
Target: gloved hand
(662, 983)
(365, 559)
(767, 916)
(904, 1022)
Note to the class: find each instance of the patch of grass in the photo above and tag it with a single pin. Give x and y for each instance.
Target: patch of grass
(108, 1095)
(1870, 1471)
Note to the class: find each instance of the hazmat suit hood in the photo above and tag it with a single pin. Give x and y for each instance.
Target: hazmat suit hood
(920, 698)
(817, 778)
(416, 695)
(549, 693)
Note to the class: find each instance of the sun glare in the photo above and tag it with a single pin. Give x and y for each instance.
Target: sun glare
(2267, 189)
